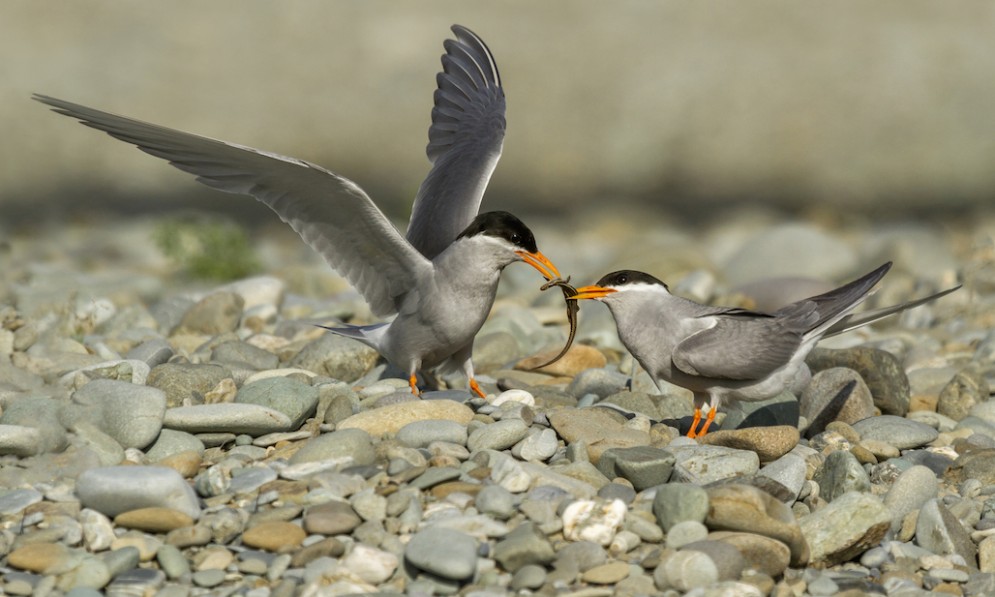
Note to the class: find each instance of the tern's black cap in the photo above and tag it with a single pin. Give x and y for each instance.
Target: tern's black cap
(628, 276)
(502, 225)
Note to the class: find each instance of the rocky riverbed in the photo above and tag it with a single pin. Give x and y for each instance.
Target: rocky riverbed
(170, 437)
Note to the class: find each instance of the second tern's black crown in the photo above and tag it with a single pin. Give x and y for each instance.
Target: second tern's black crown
(628, 276)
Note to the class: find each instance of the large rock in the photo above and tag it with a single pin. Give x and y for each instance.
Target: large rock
(735, 507)
(845, 528)
(337, 357)
(880, 369)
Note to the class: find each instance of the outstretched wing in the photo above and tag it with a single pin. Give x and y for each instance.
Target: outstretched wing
(464, 143)
(331, 213)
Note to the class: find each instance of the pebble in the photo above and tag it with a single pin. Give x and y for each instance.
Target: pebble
(371, 565)
(736, 507)
(391, 418)
(348, 445)
(678, 502)
(788, 474)
(337, 357)
(524, 545)
(118, 489)
(19, 440)
(606, 574)
(496, 501)
(498, 436)
(913, 488)
(420, 434)
(763, 554)
(705, 464)
(896, 431)
(32, 419)
(294, 399)
(845, 528)
(331, 518)
(643, 466)
(538, 446)
(939, 531)
(880, 370)
(835, 394)
(593, 520)
(596, 428)
(186, 383)
(684, 532)
(131, 414)
(216, 313)
(250, 419)
(274, 536)
(768, 443)
(443, 552)
(577, 359)
(840, 473)
(153, 520)
(16, 500)
(528, 577)
(960, 395)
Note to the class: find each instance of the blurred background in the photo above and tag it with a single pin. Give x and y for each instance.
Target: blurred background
(680, 109)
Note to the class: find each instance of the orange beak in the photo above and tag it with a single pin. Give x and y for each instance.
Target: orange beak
(539, 261)
(592, 292)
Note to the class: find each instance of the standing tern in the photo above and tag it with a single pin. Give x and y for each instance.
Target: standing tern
(441, 279)
(728, 353)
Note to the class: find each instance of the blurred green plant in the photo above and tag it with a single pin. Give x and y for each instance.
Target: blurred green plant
(207, 246)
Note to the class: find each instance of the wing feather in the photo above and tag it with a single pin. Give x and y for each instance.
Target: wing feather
(465, 141)
(739, 346)
(331, 213)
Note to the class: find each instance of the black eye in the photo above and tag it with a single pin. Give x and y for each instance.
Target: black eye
(623, 279)
(516, 239)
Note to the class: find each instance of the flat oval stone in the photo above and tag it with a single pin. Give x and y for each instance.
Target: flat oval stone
(250, 419)
(275, 536)
(391, 418)
(443, 552)
(899, 432)
(153, 520)
(117, 489)
(38, 557)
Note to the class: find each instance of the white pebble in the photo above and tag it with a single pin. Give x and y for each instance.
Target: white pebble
(593, 520)
(514, 396)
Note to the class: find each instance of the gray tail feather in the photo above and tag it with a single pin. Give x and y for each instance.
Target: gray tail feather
(820, 312)
(369, 335)
(856, 320)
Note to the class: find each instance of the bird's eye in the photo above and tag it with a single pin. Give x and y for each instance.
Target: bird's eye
(516, 239)
(623, 279)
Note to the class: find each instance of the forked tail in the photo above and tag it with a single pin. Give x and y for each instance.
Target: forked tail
(370, 335)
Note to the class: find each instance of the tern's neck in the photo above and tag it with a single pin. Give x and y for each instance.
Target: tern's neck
(472, 258)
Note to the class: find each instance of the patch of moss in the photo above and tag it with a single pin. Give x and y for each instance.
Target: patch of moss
(207, 247)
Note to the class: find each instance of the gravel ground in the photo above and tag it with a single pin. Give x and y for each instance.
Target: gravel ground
(164, 436)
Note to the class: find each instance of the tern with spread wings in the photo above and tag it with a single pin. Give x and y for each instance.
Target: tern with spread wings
(725, 353)
(441, 279)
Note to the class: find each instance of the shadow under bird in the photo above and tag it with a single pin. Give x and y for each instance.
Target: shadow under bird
(440, 279)
(727, 353)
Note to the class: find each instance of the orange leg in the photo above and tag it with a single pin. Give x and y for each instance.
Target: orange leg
(694, 424)
(413, 382)
(708, 421)
(476, 388)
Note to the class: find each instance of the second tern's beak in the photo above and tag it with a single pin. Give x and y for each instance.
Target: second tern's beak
(592, 292)
(539, 261)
